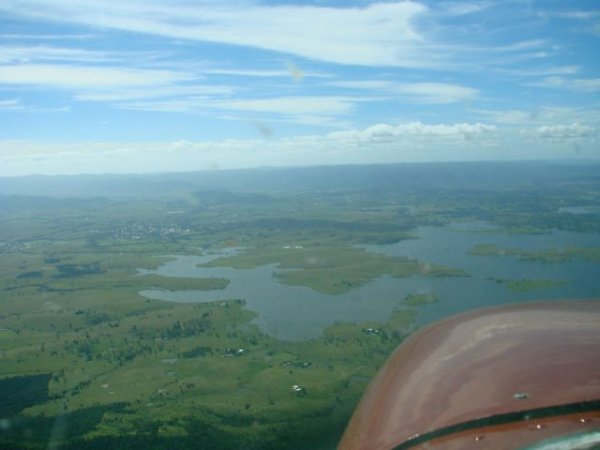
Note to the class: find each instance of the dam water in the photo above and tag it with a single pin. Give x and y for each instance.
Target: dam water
(299, 313)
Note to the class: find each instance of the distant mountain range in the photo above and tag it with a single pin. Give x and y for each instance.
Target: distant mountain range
(391, 177)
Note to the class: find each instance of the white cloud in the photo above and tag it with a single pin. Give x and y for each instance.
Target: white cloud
(248, 73)
(11, 104)
(175, 105)
(114, 84)
(307, 110)
(380, 143)
(524, 45)
(543, 71)
(577, 84)
(136, 93)
(540, 117)
(299, 105)
(416, 92)
(43, 37)
(17, 105)
(439, 92)
(586, 85)
(562, 132)
(380, 34)
(579, 14)
(42, 53)
(462, 8)
(512, 117)
(389, 133)
(588, 20)
(290, 71)
(69, 77)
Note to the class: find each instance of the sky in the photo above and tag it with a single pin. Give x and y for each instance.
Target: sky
(143, 86)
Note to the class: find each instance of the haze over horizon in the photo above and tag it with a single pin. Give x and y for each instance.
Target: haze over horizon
(162, 86)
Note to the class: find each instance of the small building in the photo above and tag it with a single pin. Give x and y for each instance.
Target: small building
(371, 331)
(299, 390)
(234, 352)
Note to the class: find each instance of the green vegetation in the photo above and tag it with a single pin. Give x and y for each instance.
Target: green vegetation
(331, 270)
(420, 299)
(153, 281)
(176, 366)
(591, 254)
(487, 250)
(87, 363)
(530, 285)
(18, 393)
(121, 370)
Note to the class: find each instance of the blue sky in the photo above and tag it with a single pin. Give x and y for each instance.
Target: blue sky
(178, 85)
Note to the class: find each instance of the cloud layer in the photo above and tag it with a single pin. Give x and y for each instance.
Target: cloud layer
(380, 143)
(380, 34)
(186, 84)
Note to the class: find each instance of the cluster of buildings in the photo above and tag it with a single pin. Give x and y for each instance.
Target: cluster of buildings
(142, 230)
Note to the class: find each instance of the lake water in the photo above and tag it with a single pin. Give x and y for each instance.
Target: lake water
(299, 313)
(579, 209)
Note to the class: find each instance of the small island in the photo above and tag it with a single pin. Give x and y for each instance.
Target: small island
(153, 281)
(526, 285)
(331, 269)
(420, 299)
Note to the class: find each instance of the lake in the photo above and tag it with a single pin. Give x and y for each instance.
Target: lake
(299, 313)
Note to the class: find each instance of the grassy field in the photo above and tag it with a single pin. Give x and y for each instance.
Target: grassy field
(118, 366)
(170, 363)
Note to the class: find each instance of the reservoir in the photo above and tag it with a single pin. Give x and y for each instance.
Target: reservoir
(299, 313)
